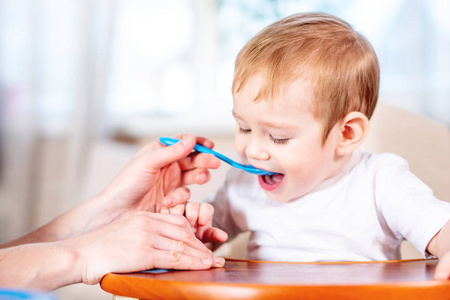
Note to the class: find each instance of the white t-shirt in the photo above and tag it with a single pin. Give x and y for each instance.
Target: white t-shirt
(362, 214)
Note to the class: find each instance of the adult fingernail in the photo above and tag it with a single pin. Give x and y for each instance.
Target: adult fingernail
(186, 140)
(219, 260)
(201, 178)
(207, 261)
(168, 201)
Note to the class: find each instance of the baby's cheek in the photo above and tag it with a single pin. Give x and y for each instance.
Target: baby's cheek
(241, 152)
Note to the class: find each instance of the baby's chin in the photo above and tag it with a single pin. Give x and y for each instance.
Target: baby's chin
(279, 198)
(283, 196)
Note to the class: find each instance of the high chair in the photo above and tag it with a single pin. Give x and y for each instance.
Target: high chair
(425, 144)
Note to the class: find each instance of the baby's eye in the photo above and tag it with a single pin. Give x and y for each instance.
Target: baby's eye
(279, 141)
(242, 130)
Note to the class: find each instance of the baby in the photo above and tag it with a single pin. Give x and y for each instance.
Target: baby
(304, 90)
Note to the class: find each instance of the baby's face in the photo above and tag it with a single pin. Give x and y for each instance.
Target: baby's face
(282, 136)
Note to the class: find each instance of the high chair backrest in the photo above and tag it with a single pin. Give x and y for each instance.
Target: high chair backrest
(424, 143)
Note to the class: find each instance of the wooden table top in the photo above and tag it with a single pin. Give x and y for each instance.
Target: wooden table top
(240, 279)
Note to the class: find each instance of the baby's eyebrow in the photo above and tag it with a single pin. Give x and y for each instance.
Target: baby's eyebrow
(236, 115)
(268, 124)
(277, 125)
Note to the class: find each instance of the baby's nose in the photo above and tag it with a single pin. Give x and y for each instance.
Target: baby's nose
(256, 151)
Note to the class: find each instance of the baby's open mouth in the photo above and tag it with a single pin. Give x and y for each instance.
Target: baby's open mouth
(270, 182)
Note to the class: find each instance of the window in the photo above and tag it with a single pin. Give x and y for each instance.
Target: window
(152, 67)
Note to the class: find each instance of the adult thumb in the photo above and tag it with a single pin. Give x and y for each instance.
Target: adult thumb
(167, 155)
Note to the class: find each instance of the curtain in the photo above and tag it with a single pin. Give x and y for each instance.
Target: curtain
(54, 56)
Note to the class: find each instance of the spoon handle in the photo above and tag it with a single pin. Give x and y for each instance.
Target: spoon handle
(204, 149)
(199, 148)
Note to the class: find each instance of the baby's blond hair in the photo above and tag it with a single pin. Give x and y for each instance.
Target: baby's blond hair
(339, 63)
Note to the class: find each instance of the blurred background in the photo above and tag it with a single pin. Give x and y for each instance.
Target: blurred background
(85, 83)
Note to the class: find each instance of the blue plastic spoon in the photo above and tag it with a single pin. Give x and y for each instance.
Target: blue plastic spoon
(200, 148)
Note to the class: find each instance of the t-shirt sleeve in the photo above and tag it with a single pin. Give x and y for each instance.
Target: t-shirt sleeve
(407, 204)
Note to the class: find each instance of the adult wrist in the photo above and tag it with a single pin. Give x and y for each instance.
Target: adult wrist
(67, 268)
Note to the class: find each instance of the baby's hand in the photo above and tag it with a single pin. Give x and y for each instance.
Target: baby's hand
(442, 271)
(199, 216)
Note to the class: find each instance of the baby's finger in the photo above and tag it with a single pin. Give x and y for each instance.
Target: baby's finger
(205, 214)
(177, 210)
(192, 210)
(442, 271)
(179, 196)
(214, 235)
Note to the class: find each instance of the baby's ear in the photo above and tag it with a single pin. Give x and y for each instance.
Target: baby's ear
(353, 130)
